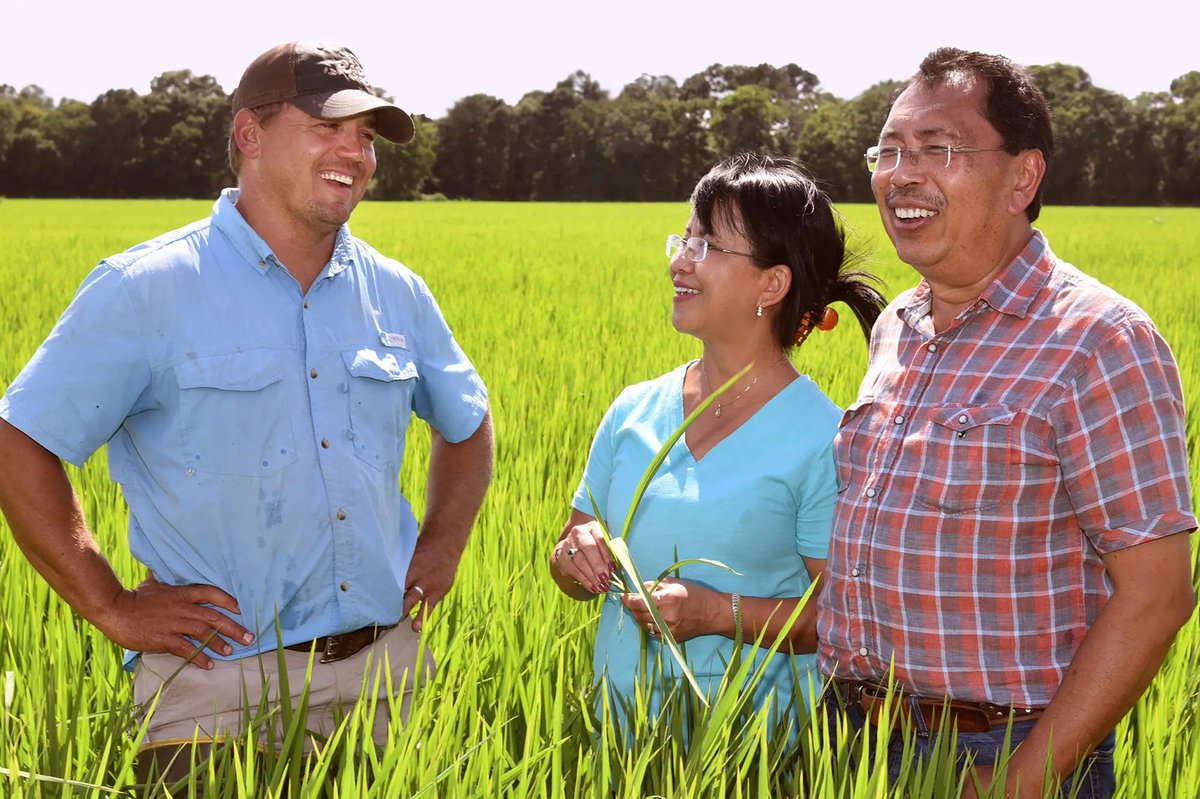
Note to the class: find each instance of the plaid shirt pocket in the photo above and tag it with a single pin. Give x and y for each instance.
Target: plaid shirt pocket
(853, 420)
(967, 459)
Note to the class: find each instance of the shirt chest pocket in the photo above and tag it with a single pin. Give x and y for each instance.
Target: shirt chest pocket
(967, 463)
(854, 446)
(381, 389)
(234, 414)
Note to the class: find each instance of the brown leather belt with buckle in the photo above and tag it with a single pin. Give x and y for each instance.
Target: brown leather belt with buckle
(936, 714)
(346, 645)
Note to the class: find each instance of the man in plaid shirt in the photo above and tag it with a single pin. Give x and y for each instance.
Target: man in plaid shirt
(1014, 473)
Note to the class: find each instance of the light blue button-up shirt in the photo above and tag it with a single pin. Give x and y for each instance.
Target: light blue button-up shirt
(255, 431)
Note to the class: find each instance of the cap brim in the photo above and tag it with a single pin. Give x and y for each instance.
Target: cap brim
(391, 122)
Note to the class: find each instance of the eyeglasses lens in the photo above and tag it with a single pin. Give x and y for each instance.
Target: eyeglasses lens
(882, 159)
(694, 249)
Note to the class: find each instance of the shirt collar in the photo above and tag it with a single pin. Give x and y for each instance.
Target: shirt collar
(256, 252)
(1010, 293)
(343, 252)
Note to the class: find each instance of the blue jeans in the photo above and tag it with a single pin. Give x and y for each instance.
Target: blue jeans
(1095, 774)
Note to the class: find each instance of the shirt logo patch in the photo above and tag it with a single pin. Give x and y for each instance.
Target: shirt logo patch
(393, 340)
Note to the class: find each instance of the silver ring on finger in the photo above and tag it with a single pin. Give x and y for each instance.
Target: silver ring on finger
(420, 591)
(652, 629)
(572, 552)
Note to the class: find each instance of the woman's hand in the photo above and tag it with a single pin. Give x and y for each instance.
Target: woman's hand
(688, 609)
(581, 562)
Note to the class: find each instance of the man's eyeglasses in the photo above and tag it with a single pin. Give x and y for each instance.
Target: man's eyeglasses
(696, 248)
(885, 158)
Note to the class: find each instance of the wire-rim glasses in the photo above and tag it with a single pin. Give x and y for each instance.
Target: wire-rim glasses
(886, 157)
(696, 249)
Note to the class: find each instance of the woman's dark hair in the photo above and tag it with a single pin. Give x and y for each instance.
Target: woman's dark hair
(773, 203)
(1015, 105)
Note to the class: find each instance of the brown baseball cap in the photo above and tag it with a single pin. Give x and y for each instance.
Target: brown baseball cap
(323, 80)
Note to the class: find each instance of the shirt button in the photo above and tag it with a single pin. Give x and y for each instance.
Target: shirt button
(855, 572)
(324, 443)
(932, 348)
(313, 373)
(899, 419)
(306, 303)
(341, 514)
(190, 472)
(963, 419)
(862, 650)
(870, 493)
(262, 264)
(344, 586)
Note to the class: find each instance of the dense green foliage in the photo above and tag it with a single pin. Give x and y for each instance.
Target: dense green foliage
(560, 306)
(575, 142)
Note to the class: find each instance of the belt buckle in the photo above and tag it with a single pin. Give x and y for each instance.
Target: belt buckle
(869, 699)
(347, 645)
(333, 643)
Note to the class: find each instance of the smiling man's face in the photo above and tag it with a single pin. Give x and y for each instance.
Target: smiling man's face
(944, 220)
(317, 170)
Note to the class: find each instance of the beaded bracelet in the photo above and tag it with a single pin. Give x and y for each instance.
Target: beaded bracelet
(736, 601)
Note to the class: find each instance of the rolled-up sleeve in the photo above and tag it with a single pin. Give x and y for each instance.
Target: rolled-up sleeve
(90, 374)
(449, 395)
(1121, 442)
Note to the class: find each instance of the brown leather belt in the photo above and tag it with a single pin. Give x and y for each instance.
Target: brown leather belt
(344, 645)
(908, 710)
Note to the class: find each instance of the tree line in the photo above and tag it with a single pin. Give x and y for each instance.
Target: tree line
(577, 142)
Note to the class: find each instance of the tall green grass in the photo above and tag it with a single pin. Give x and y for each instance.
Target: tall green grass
(560, 306)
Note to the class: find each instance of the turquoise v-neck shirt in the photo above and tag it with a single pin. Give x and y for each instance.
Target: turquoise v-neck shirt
(760, 501)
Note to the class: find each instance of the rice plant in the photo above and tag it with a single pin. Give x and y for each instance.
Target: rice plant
(560, 306)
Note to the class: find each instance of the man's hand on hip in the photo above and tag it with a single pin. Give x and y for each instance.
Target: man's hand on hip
(161, 618)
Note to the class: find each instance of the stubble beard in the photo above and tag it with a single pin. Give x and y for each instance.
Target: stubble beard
(326, 220)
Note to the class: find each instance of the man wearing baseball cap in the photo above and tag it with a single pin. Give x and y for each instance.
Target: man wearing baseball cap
(254, 376)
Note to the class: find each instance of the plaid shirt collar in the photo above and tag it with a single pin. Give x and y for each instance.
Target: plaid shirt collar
(1011, 292)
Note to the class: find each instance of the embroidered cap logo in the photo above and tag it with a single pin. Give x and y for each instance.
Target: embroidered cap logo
(347, 67)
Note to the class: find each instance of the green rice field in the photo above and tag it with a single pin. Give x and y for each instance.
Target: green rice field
(560, 306)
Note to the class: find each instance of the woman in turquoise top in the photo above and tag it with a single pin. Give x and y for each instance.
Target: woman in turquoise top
(752, 483)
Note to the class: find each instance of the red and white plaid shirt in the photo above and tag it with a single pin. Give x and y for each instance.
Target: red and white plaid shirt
(985, 469)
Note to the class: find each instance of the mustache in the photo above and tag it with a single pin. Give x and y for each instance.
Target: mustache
(929, 200)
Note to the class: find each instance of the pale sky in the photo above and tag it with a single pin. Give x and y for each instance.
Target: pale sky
(429, 55)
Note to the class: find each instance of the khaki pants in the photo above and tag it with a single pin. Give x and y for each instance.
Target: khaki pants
(200, 706)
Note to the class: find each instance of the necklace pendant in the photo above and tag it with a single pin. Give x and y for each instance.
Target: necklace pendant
(717, 412)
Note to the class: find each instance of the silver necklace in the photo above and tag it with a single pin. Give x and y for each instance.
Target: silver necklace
(721, 405)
